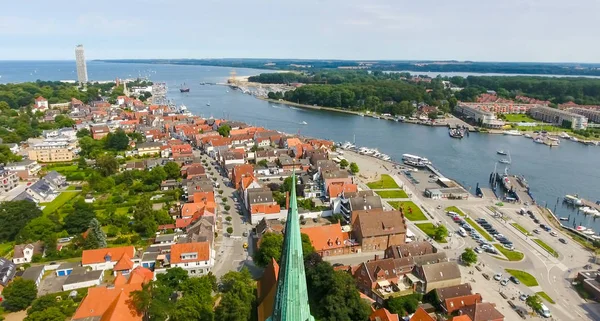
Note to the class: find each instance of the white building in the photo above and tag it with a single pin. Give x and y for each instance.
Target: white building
(82, 76)
(196, 258)
(23, 253)
(41, 103)
(119, 259)
(482, 117)
(559, 117)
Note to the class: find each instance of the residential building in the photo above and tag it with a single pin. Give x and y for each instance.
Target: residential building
(99, 131)
(113, 302)
(203, 230)
(261, 204)
(483, 311)
(66, 268)
(25, 169)
(479, 116)
(82, 76)
(193, 170)
(376, 231)
(421, 315)
(265, 290)
(196, 258)
(51, 152)
(592, 115)
(8, 180)
(380, 278)
(454, 291)
(41, 104)
(115, 258)
(34, 273)
(8, 270)
(329, 240)
(410, 249)
(23, 253)
(559, 117)
(45, 190)
(148, 148)
(240, 171)
(383, 315)
(81, 278)
(438, 275)
(590, 281)
(453, 304)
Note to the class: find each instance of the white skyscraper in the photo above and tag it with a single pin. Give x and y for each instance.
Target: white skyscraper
(81, 67)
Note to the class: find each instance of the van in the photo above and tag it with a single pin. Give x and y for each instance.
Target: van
(544, 311)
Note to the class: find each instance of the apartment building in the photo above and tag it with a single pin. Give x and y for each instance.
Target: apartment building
(559, 117)
(49, 152)
(479, 115)
(591, 114)
(8, 180)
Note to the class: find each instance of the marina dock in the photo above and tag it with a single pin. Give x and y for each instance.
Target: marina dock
(590, 204)
(520, 190)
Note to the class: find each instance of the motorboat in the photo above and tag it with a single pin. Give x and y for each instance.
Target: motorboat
(574, 139)
(587, 210)
(538, 140)
(581, 228)
(527, 135)
(563, 218)
(504, 161)
(589, 232)
(304, 123)
(500, 152)
(512, 132)
(564, 135)
(573, 200)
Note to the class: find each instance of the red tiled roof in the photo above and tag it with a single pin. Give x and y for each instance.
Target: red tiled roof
(99, 255)
(383, 315)
(326, 237)
(421, 315)
(124, 263)
(202, 249)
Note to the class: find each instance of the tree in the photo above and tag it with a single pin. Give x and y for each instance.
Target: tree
(50, 314)
(440, 232)
(534, 301)
(263, 163)
(39, 229)
(228, 218)
(19, 294)
(237, 298)
(344, 163)
(117, 140)
(230, 230)
(78, 220)
(107, 165)
(81, 163)
(469, 256)
(224, 130)
(95, 238)
(432, 115)
(84, 132)
(14, 215)
(172, 170)
(145, 217)
(404, 305)
(354, 168)
(6, 156)
(307, 247)
(271, 246)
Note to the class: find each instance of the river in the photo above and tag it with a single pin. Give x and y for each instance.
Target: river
(570, 168)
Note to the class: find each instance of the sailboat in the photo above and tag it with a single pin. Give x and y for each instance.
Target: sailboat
(184, 88)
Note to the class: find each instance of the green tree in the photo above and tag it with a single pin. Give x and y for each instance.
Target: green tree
(89, 147)
(224, 130)
(230, 230)
(50, 314)
(144, 217)
(534, 301)
(271, 246)
(440, 233)
(84, 132)
(96, 238)
(354, 168)
(6, 156)
(404, 305)
(469, 256)
(82, 163)
(107, 165)
(344, 163)
(19, 294)
(432, 115)
(263, 163)
(78, 220)
(14, 215)
(117, 140)
(39, 229)
(63, 121)
(237, 296)
(172, 170)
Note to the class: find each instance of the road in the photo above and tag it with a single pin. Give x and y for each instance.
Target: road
(552, 274)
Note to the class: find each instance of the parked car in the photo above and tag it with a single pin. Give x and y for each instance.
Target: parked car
(509, 246)
(563, 241)
(504, 282)
(514, 280)
(535, 220)
(553, 233)
(498, 276)
(523, 297)
(478, 250)
(492, 250)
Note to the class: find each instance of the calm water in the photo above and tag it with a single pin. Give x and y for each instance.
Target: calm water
(571, 168)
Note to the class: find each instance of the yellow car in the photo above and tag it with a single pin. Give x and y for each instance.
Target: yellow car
(245, 246)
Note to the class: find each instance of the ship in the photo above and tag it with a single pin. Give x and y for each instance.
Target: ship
(184, 88)
(456, 133)
(573, 200)
(500, 152)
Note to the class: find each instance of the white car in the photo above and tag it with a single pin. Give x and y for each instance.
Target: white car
(498, 276)
(553, 234)
(478, 250)
(504, 282)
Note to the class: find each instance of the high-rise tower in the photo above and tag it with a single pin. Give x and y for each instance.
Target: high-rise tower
(291, 298)
(82, 76)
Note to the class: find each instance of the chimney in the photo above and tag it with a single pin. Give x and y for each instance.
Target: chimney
(376, 257)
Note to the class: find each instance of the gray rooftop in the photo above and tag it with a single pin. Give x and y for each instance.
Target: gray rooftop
(33, 273)
(7, 271)
(80, 274)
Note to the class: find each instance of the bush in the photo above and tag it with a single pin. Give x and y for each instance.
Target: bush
(135, 239)
(112, 231)
(121, 240)
(224, 199)
(227, 207)
(220, 192)
(230, 230)
(228, 218)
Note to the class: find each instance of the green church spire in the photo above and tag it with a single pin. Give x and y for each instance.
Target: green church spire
(291, 298)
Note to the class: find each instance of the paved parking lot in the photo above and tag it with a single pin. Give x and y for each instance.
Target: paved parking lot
(51, 284)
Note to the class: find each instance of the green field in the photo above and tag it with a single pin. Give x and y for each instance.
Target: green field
(520, 228)
(521, 118)
(479, 229)
(416, 215)
(525, 278)
(510, 255)
(398, 193)
(59, 201)
(455, 210)
(386, 181)
(546, 247)
(545, 296)
(429, 229)
(5, 248)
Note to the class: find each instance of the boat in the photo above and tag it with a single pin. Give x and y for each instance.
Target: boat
(414, 160)
(563, 218)
(385, 157)
(504, 161)
(581, 228)
(522, 181)
(564, 135)
(589, 232)
(500, 152)
(184, 88)
(587, 210)
(456, 133)
(527, 135)
(304, 123)
(208, 104)
(574, 139)
(512, 132)
(573, 200)
(538, 140)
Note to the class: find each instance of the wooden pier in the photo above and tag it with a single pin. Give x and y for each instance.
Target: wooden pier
(590, 204)
(520, 190)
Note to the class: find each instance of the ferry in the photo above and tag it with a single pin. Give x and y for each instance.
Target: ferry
(513, 132)
(456, 133)
(573, 200)
(414, 160)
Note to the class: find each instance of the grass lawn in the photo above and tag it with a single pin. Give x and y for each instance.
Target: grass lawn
(5, 248)
(386, 181)
(525, 278)
(545, 296)
(546, 247)
(429, 229)
(415, 215)
(522, 118)
(59, 201)
(520, 228)
(455, 210)
(479, 229)
(392, 194)
(510, 255)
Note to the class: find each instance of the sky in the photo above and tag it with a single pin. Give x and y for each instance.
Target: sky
(479, 30)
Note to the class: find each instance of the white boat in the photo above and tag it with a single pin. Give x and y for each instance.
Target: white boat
(589, 232)
(573, 200)
(581, 228)
(564, 135)
(208, 104)
(504, 161)
(385, 157)
(574, 139)
(538, 140)
(512, 132)
(304, 123)
(527, 135)
(587, 210)
(414, 160)
(500, 152)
